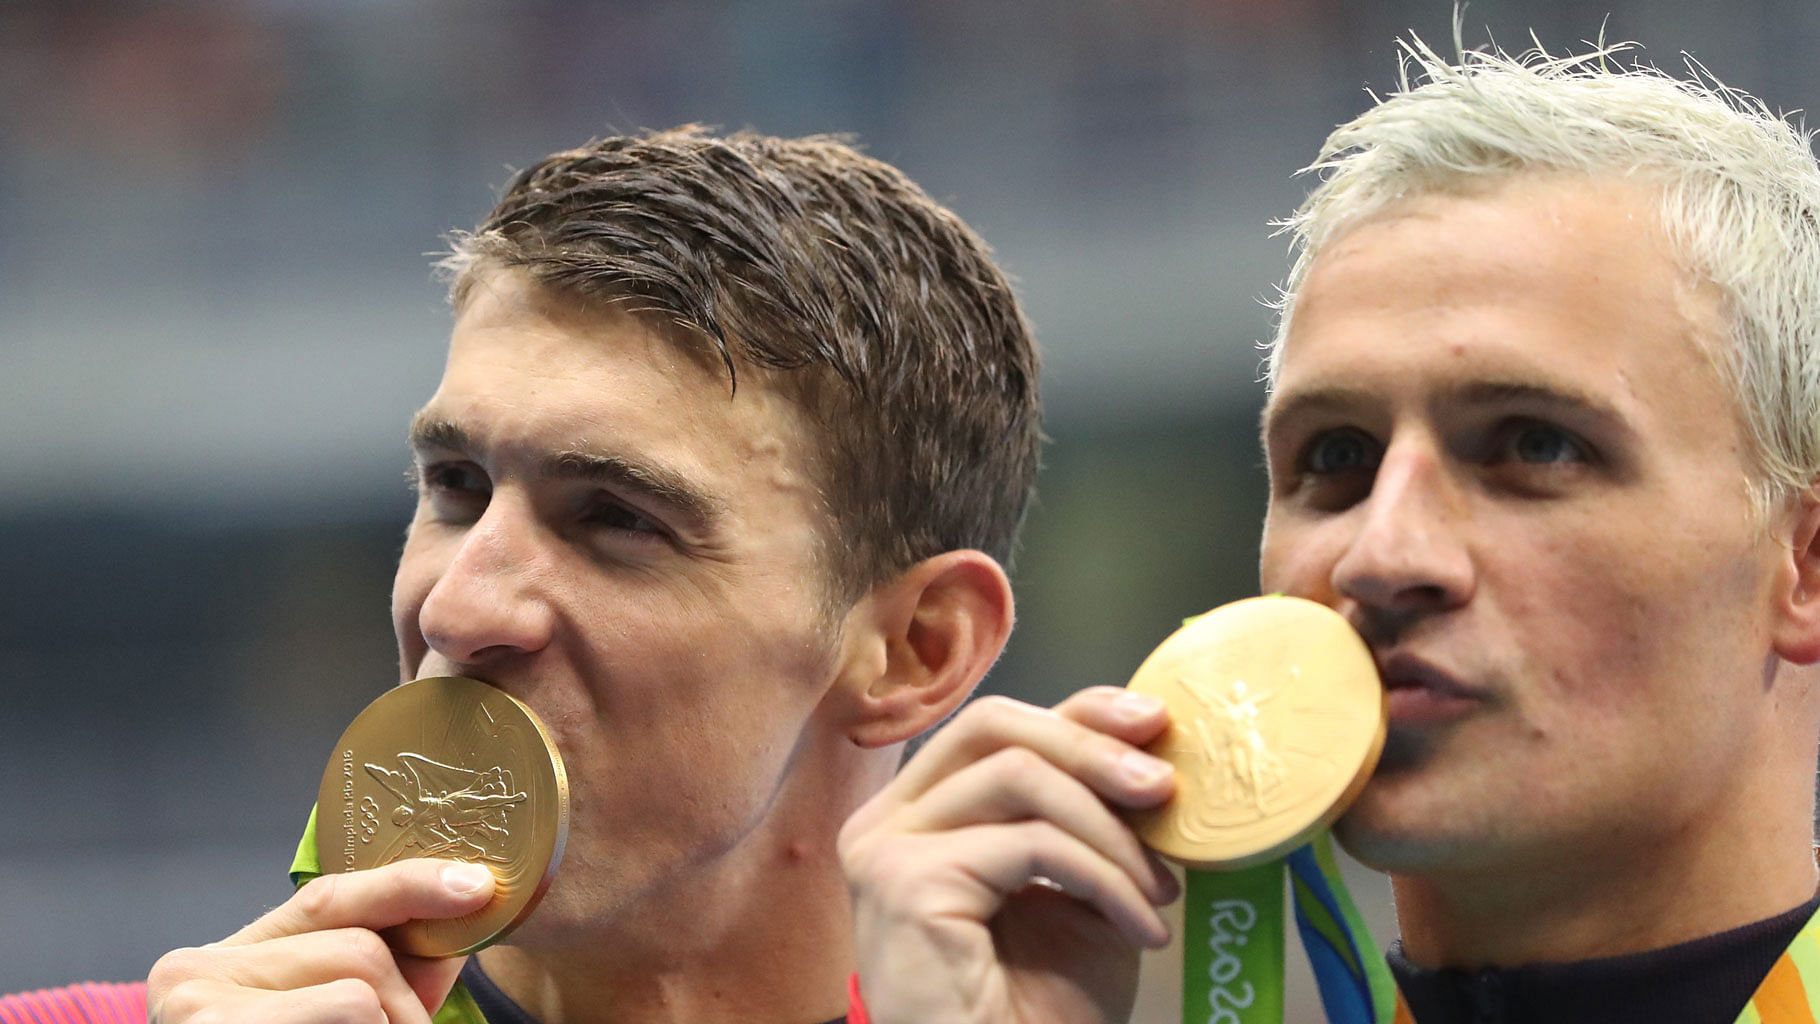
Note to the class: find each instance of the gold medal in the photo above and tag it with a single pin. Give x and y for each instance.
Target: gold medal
(449, 768)
(1276, 722)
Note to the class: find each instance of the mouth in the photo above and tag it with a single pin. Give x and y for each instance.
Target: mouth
(1420, 693)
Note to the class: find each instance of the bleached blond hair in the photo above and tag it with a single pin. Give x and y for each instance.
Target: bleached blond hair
(1740, 200)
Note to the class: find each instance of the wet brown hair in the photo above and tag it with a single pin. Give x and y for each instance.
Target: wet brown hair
(867, 303)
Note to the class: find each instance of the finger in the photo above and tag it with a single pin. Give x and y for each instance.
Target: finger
(1136, 718)
(1006, 859)
(298, 962)
(407, 890)
(431, 978)
(1169, 883)
(1112, 767)
(1017, 784)
(344, 1001)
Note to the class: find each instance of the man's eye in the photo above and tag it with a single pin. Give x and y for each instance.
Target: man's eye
(1540, 444)
(1339, 451)
(615, 515)
(452, 478)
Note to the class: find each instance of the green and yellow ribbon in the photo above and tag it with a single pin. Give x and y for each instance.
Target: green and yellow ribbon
(1234, 937)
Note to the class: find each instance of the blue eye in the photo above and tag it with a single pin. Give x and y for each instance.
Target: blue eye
(1541, 444)
(1339, 451)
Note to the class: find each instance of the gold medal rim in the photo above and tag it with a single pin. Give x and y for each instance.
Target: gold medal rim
(1155, 827)
(421, 938)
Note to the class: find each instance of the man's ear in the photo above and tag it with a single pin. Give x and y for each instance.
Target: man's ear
(919, 643)
(1797, 633)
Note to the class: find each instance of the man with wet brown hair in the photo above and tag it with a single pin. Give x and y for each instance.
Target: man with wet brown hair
(876, 310)
(733, 438)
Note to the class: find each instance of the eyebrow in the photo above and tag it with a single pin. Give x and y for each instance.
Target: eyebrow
(1342, 398)
(655, 484)
(430, 433)
(1310, 402)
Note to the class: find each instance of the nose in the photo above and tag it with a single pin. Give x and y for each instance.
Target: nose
(1408, 554)
(491, 601)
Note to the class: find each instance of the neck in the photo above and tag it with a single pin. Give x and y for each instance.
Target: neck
(746, 960)
(763, 934)
(1751, 860)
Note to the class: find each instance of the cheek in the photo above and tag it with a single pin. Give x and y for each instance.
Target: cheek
(416, 575)
(771, 672)
(1584, 640)
(1629, 637)
(1297, 561)
(714, 667)
(407, 597)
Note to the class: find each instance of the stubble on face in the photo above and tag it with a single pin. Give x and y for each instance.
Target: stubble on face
(1553, 518)
(678, 655)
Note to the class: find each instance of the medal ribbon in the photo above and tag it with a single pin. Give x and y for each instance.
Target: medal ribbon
(1790, 992)
(1233, 950)
(1233, 944)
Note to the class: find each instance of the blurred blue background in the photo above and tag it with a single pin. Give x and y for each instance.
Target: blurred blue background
(216, 316)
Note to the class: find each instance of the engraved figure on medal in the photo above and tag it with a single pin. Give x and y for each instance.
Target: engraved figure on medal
(1277, 723)
(453, 768)
(1247, 746)
(1249, 767)
(447, 810)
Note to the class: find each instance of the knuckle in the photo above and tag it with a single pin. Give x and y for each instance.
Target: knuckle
(317, 895)
(1098, 692)
(888, 875)
(189, 1001)
(996, 713)
(1102, 751)
(213, 1013)
(367, 950)
(1090, 708)
(1038, 846)
(1018, 767)
(175, 968)
(170, 999)
(352, 1000)
(858, 856)
(848, 841)
(996, 706)
(168, 970)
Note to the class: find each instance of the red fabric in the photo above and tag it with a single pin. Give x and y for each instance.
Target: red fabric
(88, 1003)
(856, 1007)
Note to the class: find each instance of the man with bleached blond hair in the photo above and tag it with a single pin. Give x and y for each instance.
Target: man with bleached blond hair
(1544, 426)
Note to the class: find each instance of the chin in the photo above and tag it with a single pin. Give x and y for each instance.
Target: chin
(1406, 840)
(581, 898)
(549, 925)
(1384, 850)
(1390, 829)
(1409, 818)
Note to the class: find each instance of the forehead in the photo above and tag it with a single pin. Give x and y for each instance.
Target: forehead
(1564, 283)
(532, 364)
(501, 305)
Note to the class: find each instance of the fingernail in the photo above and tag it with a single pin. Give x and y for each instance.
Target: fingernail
(1132, 704)
(465, 878)
(1143, 769)
(1168, 887)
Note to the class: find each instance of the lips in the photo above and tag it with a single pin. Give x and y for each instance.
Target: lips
(1421, 693)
